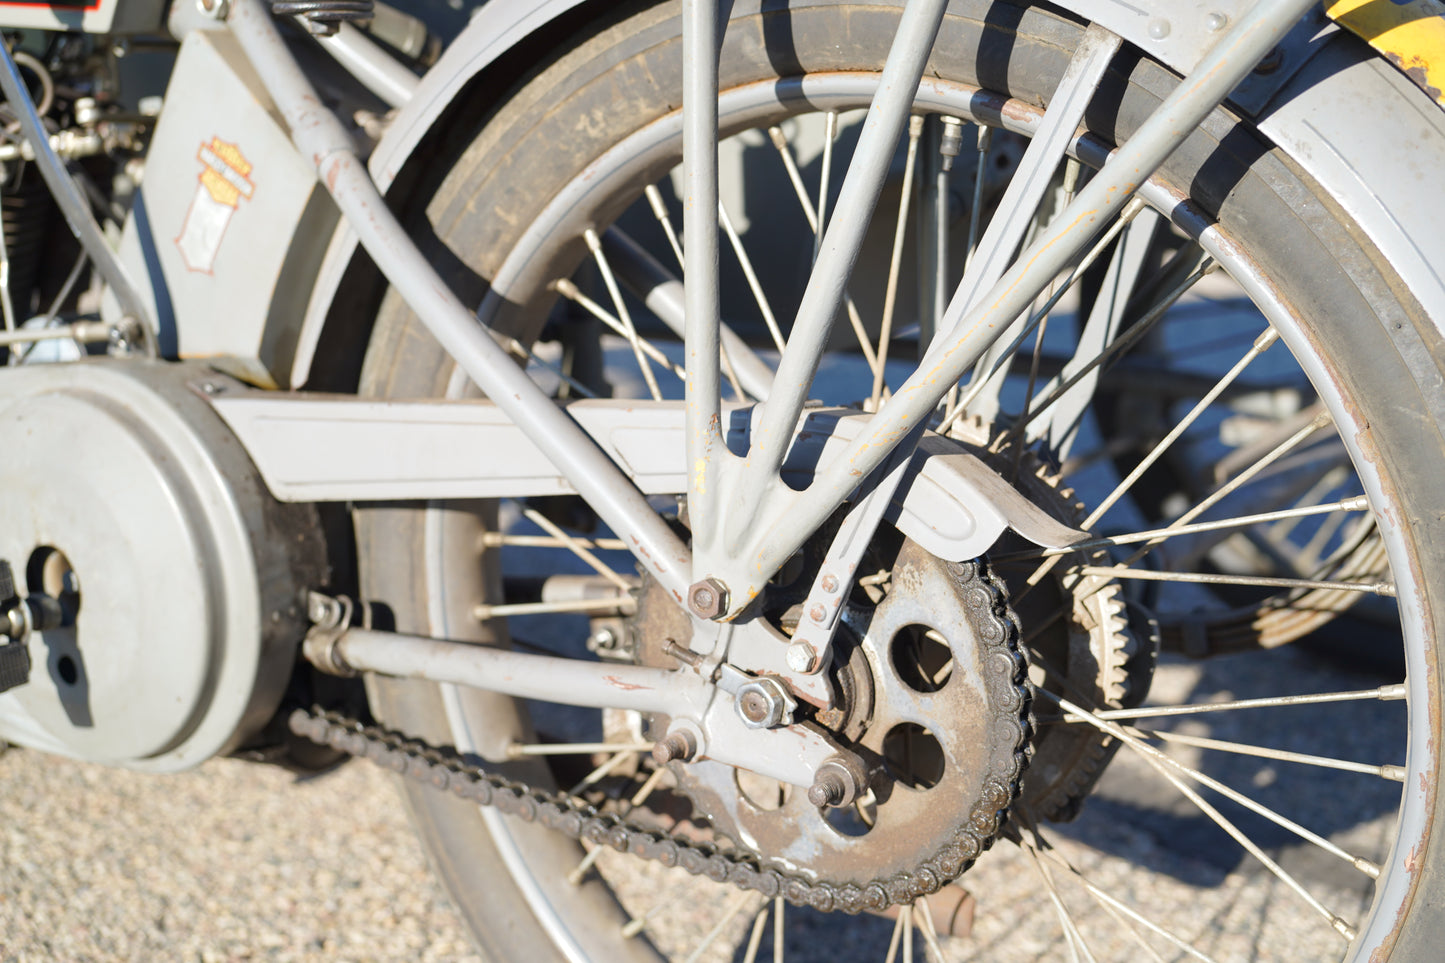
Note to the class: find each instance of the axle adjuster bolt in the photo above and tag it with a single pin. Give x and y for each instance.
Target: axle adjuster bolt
(838, 782)
(708, 598)
(679, 745)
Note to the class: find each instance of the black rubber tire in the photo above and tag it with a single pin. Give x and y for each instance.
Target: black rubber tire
(1376, 342)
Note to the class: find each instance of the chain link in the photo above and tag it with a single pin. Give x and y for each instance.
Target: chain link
(446, 770)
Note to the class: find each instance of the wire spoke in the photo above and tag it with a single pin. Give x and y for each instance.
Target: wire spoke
(1356, 504)
(576, 548)
(901, 925)
(1133, 333)
(1072, 935)
(1385, 693)
(1172, 769)
(750, 275)
(1259, 347)
(501, 539)
(522, 353)
(1003, 359)
(1319, 421)
(855, 319)
(755, 938)
(778, 906)
(645, 348)
(1110, 902)
(636, 925)
(1258, 581)
(659, 211)
(629, 330)
(662, 293)
(647, 787)
(1389, 772)
(895, 261)
(830, 135)
(933, 952)
(738, 904)
(601, 772)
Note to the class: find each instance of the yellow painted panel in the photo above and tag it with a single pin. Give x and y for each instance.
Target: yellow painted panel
(1411, 33)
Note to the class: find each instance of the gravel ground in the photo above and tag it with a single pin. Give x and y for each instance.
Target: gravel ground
(236, 861)
(233, 861)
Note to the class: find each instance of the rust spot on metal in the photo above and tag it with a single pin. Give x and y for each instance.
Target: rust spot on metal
(617, 683)
(1417, 71)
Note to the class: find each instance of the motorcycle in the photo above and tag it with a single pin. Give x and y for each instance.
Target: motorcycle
(680, 439)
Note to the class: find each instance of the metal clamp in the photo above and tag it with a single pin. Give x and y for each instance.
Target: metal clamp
(331, 617)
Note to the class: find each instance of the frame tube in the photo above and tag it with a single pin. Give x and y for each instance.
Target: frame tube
(319, 136)
(553, 679)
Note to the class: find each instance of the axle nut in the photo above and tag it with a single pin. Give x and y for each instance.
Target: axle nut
(708, 598)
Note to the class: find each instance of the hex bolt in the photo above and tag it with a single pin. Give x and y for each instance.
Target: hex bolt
(679, 745)
(708, 598)
(802, 657)
(755, 707)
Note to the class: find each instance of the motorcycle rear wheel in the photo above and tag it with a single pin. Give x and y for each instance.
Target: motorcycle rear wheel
(1338, 307)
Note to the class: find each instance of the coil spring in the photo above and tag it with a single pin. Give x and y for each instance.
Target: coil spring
(323, 16)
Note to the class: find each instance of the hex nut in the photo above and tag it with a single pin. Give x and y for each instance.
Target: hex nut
(708, 598)
(763, 704)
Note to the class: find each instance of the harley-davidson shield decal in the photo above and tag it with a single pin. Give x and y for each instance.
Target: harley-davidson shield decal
(224, 182)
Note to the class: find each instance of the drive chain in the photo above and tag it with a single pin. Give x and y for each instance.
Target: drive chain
(573, 816)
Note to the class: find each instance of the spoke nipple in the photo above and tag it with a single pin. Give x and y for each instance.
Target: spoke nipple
(1268, 337)
(802, 657)
(708, 598)
(1344, 928)
(678, 746)
(951, 142)
(1370, 869)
